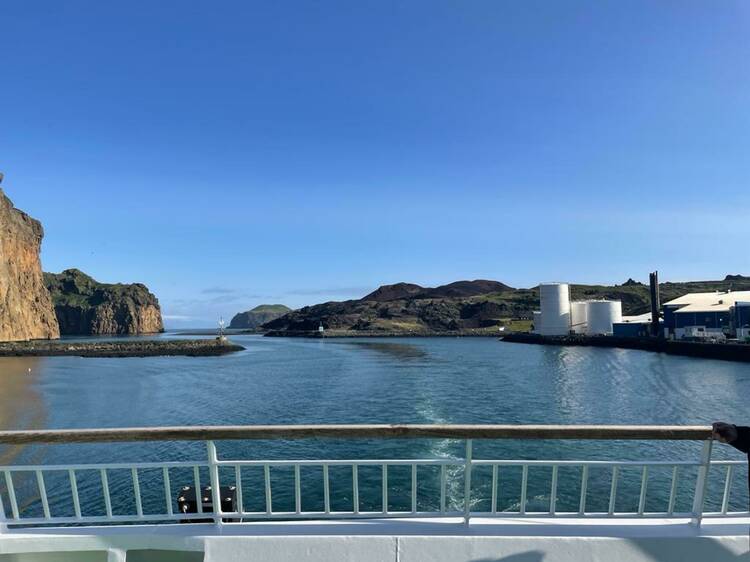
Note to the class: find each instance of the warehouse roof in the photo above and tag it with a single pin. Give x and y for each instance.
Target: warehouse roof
(724, 307)
(640, 319)
(708, 302)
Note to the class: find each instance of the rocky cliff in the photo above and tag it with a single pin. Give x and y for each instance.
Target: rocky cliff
(253, 319)
(87, 307)
(25, 307)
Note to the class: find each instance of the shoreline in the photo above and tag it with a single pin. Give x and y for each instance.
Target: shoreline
(723, 351)
(334, 334)
(129, 348)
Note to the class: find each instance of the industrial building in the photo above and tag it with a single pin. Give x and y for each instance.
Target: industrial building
(633, 326)
(558, 316)
(715, 315)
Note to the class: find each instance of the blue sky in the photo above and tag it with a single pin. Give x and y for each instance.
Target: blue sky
(229, 154)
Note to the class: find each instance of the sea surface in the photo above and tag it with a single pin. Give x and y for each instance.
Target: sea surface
(398, 380)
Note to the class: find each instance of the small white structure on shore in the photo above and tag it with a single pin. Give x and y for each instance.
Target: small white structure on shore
(559, 316)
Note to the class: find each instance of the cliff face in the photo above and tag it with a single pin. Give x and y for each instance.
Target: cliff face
(255, 318)
(87, 307)
(25, 307)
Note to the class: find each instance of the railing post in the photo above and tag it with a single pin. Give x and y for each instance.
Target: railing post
(213, 470)
(467, 483)
(3, 524)
(701, 482)
(116, 555)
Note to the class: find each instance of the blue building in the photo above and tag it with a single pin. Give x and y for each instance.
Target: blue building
(633, 327)
(742, 319)
(707, 315)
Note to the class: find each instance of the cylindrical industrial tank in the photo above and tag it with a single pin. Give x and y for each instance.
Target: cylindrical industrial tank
(579, 316)
(601, 316)
(555, 309)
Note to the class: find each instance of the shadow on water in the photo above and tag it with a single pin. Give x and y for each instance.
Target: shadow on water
(21, 407)
(403, 351)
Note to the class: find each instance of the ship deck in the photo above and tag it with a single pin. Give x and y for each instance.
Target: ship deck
(391, 540)
(62, 529)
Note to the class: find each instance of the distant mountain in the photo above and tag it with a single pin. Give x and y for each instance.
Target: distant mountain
(458, 289)
(86, 307)
(464, 289)
(386, 293)
(252, 319)
(479, 306)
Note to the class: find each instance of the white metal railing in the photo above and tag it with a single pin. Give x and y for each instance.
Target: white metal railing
(451, 471)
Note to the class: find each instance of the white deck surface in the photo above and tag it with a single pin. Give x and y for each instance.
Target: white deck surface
(484, 540)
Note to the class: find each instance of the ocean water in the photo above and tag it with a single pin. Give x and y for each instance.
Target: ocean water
(399, 380)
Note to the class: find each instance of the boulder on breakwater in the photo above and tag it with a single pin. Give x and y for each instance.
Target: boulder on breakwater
(126, 348)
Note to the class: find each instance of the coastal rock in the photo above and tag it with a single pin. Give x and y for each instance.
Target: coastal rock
(87, 307)
(253, 319)
(26, 311)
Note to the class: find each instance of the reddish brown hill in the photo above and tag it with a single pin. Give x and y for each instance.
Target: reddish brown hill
(397, 291)
(26, 311)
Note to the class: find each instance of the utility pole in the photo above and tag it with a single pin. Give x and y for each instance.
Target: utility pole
(653, 279)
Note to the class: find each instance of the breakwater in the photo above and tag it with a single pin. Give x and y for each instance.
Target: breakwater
(725, 351)
(126, 348)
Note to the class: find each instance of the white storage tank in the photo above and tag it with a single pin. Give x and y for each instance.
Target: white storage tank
(537, 320)
(579, 316)
(602, 315)
(555, 308)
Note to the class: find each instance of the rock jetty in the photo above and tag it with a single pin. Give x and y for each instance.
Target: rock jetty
(126, 348)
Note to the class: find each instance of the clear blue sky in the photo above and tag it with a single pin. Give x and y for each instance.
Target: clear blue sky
(233, 153)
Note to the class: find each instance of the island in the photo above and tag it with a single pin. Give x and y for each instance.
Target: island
(253, 319)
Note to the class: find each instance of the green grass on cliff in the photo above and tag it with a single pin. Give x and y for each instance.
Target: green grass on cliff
(272, 308)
